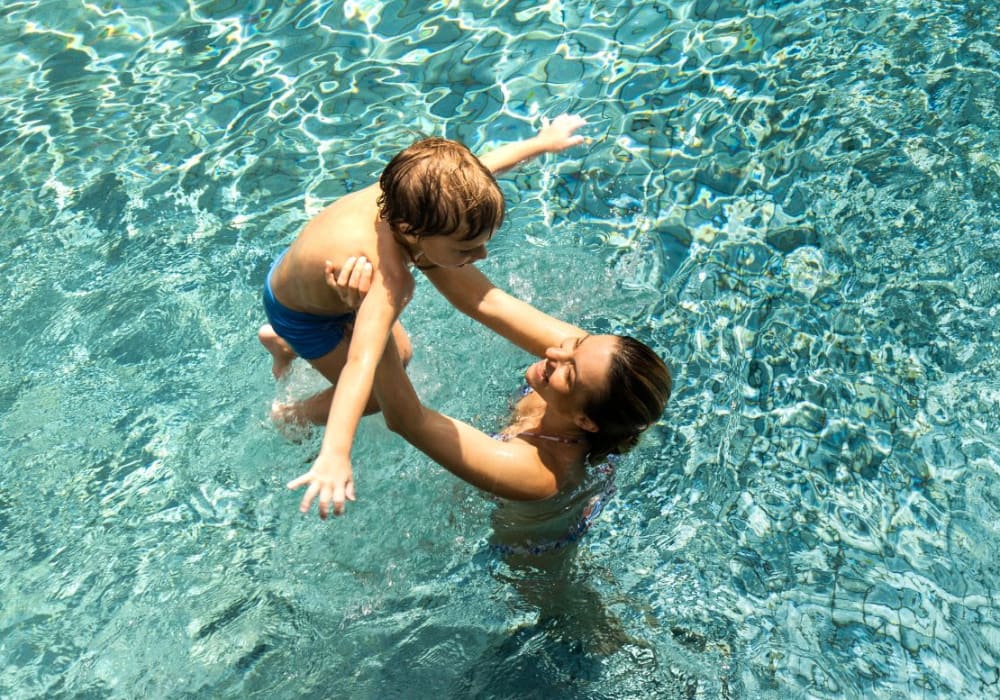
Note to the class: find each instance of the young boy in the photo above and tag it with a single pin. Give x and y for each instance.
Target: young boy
(434, 208)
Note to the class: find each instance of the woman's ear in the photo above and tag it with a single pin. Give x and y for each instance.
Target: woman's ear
(584, 423)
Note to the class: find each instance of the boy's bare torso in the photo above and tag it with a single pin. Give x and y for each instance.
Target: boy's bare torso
(348, 226)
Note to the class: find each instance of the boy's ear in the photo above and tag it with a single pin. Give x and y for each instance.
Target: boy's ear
(403, 230)
(584, 423)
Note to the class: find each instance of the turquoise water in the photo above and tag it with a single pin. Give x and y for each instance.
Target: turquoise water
(796, 202)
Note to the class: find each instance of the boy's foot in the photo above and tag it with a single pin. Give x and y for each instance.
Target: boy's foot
(281, 354)
(288, 419)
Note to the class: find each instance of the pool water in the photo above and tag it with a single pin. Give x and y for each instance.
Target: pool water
(797, 203)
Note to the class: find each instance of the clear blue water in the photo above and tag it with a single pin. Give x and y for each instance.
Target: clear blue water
(797, 202)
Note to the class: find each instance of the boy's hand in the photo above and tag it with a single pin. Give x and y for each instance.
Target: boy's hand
(557, 135)
(331, 479)
(352, 281)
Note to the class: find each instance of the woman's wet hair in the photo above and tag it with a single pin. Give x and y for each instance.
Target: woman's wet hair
(639, 386)
(437, 187)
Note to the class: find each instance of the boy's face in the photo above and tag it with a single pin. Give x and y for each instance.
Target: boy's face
(455, 250)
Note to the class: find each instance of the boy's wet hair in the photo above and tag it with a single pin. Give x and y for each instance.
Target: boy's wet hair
(437, 187)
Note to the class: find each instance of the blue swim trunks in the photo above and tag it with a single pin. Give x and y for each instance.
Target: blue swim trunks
(310, 335)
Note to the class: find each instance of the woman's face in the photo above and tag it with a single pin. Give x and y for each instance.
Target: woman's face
(573, 372)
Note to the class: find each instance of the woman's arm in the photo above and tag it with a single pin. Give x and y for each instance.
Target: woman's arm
(472, 293)
(509, 470)
(553, 137)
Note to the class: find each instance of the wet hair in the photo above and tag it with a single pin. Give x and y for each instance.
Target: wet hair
(639, 386)
(436, 187)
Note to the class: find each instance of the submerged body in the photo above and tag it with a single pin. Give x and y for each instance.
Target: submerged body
(533, 528)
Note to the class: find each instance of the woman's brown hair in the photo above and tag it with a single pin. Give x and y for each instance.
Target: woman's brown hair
(436, 187)
(639, 386)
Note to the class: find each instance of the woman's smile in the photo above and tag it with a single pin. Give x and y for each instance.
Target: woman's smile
(542, 369)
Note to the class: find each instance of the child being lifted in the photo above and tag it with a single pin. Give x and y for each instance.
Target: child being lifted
(434, 207)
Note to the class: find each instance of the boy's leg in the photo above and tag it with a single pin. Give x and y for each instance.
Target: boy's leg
(281, 353)
(316, 408)
(313, 410)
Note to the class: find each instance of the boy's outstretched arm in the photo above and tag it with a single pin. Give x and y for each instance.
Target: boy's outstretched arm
(472, 293)
(330, 480)
(554, 136)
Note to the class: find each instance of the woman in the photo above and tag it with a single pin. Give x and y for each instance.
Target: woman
(588, 397)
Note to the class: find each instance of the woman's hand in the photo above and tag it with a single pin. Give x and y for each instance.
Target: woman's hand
(352, 281)
(557, 135)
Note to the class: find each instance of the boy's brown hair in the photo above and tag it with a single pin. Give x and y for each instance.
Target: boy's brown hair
(437, 187)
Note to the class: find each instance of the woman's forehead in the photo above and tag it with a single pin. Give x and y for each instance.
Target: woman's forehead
(593, 356)
(602, 343)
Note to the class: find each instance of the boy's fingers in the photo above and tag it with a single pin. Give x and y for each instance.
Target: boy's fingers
(296, 483)
(349, 491)
(338, 500)
(324, 502)
(308, 498)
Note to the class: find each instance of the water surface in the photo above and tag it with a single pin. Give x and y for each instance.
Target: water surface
(795, 202)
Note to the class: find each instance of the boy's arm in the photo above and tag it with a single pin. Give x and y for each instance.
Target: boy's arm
(472, 293)
(507, 470)
(553, 137)
(330, 478)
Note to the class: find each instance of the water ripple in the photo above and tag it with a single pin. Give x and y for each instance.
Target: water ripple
(796, 202)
